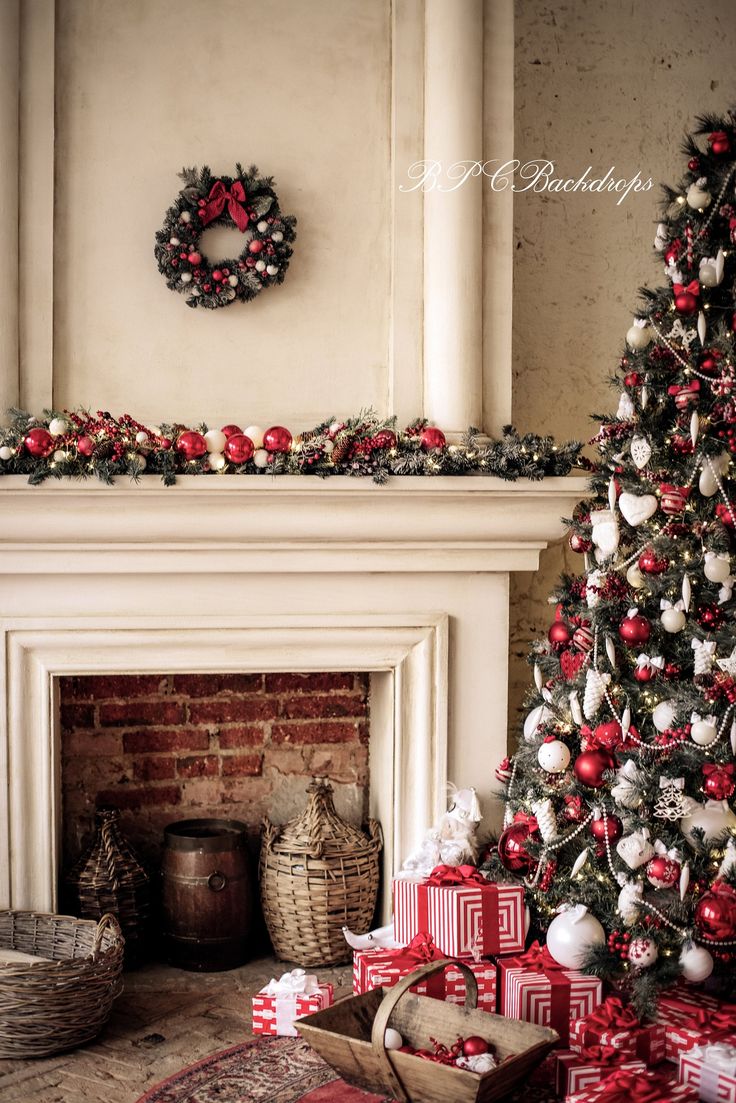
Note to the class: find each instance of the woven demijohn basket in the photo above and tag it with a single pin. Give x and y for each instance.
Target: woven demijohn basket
(318, 874)
(109, 878)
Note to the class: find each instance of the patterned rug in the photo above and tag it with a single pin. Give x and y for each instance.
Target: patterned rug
(276, 1070)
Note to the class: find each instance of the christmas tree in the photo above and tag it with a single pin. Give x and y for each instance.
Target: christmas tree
(617, 798)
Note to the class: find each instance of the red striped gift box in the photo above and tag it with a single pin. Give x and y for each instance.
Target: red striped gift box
(277, 1014)
(535, 988)
(383, 968)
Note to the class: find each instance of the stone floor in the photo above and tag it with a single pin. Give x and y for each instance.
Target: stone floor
(165, 1019)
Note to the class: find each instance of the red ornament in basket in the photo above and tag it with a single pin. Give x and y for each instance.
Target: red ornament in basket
(574, 1072)
(691, 1018)
(466, 914)
(673, 498)
(382, 968)
(616, 1024)
(277, 1006)
(535, 988)
(711, 1070)
(623, 1086)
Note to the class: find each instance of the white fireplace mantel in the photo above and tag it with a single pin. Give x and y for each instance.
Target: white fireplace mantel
(408, 581)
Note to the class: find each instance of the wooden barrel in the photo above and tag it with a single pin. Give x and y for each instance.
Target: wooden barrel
(206, 894)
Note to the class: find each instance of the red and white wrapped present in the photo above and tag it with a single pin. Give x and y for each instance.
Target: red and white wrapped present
(711, 1070)
(535, 988)
(277, 1006)
(623, 1086)
(691, 1018)
(466, 914)
(574, 1072)
(383, 968)
(616, 1024)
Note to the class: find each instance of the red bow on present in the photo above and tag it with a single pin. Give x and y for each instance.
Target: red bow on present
(216, 200)
(722, 1021)
(693, 287)
(613, 1013)
(600, 1055)
(623, 1086)
(421, 949)
(538, 959)
(456, 875)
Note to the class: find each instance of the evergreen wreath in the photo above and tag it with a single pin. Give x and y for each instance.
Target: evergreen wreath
(246, 201)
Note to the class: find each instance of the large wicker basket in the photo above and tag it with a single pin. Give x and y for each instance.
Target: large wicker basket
(318, 874)
(50, 1006)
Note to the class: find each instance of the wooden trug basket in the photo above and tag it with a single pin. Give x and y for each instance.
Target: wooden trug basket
(349, 1037)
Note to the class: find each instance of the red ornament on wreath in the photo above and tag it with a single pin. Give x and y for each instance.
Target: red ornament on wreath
(191, 445)
(718, 780)
(635, 629)
(715, 913)
(686, 297)
(432, 438)
(39, 443)
(651, 563)
(385, 438)
(512, 849)
(590, 766)
(663, 872)
(239, 448)
(85, 446)
(231, 430)
(277, 439)
(611, 828)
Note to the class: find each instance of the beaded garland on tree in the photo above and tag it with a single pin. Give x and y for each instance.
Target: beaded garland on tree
(246, 201)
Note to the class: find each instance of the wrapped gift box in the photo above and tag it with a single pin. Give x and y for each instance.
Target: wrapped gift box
(615, 1024)
(383, 968)
(711, 1070)
(466, 915)
(533, 987)
(574, 1072)
(691, 1018)
(277, 1006)
(623, 1086)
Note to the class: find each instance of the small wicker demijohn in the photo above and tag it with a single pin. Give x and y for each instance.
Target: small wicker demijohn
(109, 878)
(318, 874)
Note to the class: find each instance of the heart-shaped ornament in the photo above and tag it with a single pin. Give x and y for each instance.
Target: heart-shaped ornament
(637, 508)
(641, 451)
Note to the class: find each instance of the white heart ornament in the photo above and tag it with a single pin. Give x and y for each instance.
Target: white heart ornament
(637, 508)
(641, 451)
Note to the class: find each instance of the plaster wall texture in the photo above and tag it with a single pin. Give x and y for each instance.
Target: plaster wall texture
(596, 84)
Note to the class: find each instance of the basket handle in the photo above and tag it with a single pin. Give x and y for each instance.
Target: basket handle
(107, 920)
(388, 1005)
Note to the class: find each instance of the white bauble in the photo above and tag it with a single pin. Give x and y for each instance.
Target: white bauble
(708, 275)
(174, 241)
(673, 620)
(260, 266)
(707, 484)
(141, 437)
(392, 1039)
(6, 453)
(664, 715)
(58, 426)
(277, 236)
(186, 277)
(233, 281)
(638, 337)
(272, 269)
(539, 715)
(328, 446)
(643, 952)
(713, 818)
(255, 433)
(703, 733)
(634, 577)
(61, 454)
(215, 440)
(262, 226)
(696, 962)
(185, 216)
(216, 461)
(260, 457)
(571, 934)
(156, 430)
(554, 757)
(717, 567)
(697, 197)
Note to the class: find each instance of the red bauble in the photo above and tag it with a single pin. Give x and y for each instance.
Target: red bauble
(195, 258)
(580, 543)
(633, 379)
(231, 430)
(474, 1046)
(634, 630)
(715, 913)
(611, 827)
(590, 766)
(644, 673)
(663, 872)
(39, 443)
(85, 446)
(165, 443)
(718, 783)
(710, 615)
(724, 513)
(686, 302)
(719, 142)
(192, 445)
(694, 164)
(582, 638)
(651, 563)
(255, 246)
(511, 850)
(575, 809)
(385, 438)
(608, 735)
(559, 634)
(277, 439)
(672, 670)
(431, 438)
(239, 448)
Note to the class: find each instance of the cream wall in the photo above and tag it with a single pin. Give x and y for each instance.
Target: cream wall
(595, 83)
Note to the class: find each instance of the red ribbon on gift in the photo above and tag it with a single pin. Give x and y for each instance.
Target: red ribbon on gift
(456, 875)
(538, 959)
(216, 200)
(613, 1014)
(623, 1086)
(600, 1055)
(721, 1022)
(466, 876)
(420, 951)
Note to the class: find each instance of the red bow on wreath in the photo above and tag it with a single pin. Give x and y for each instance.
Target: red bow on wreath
(216, 200)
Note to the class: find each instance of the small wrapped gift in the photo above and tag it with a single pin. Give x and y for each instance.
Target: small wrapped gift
(615, 1024)
(466, 914)
(712, 1070)
(691, 1018)
(281, 1002)
(623, 1086)
(576, 1071)
(383, 968)
(535, 988)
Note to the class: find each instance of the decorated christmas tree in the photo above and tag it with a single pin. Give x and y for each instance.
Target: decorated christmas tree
(618, 794)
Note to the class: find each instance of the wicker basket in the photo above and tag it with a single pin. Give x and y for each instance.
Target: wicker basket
(109, 878)
(50, 1006)
(318, 874)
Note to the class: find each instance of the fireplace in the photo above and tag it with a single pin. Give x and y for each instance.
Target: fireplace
(407, 584)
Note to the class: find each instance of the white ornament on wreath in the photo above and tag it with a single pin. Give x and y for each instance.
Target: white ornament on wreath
(697, 197)
(639, 335)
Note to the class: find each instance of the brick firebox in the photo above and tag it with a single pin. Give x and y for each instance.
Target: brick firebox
(173, 746)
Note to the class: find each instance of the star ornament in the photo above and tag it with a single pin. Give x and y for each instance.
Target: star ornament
(728, 666)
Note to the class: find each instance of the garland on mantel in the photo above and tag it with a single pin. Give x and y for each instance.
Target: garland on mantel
(78, 444)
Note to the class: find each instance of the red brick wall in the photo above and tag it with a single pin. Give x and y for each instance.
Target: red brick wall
(163, 747)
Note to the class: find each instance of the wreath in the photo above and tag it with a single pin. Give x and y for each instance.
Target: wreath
(247, 201)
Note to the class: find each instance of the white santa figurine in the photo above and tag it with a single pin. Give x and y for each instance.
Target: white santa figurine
(453, 841)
